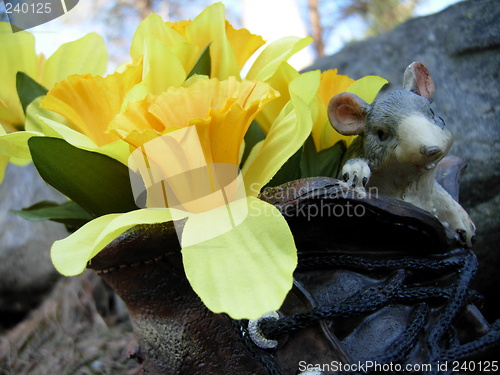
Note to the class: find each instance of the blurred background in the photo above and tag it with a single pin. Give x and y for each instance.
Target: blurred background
(332, 23)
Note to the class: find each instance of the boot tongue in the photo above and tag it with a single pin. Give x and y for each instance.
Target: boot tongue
(325, 213)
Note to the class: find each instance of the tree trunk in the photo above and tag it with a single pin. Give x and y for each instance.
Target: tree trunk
(316, 28)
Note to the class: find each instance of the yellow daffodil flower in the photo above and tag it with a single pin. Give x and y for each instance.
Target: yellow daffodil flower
(166, 53)
(221, 112)
(175, 47)
(87, 54)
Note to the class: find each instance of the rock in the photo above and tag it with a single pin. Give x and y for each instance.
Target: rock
(461, 48)
(25, 266)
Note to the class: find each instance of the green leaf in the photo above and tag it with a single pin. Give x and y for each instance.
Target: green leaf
(325, 163)
(68, 213)
(203, 65)
(28, 89)
(289, 171)
(253, 136)
(96, 182)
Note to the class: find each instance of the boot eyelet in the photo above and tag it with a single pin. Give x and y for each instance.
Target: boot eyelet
(256, 334)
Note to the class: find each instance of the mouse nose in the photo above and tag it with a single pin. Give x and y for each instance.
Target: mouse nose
(429, 150)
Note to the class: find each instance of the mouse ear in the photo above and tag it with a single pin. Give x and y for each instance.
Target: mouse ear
(347, 113)
(418, 80)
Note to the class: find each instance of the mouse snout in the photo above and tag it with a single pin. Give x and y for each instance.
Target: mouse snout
(421, 142)
(430, 151)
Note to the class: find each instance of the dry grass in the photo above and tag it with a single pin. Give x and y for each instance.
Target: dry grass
(81, 328)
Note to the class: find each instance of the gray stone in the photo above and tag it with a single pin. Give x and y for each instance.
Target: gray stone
(26, 271)
(461, 48)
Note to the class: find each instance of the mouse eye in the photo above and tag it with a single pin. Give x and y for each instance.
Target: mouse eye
(382, 135)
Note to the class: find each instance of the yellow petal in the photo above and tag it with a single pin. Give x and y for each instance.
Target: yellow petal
(18, 54)
(332, 84)
(323, 134)
(274, 54)
(137, 117)
(280, 81)
(247, 271)
(85, 55)
(153, 27)
(34, 112)
(71, 255)
(90, 103)
(188, 54)
(118, 149)
(221, 110)
(243, 42)
(287, 134)
(162, 69)
(16, 145)
(135, 94)
(179, 26)
(137, 138)
(210, 27)
(367, 87)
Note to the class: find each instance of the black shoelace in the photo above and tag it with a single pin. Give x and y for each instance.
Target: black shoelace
(441, 340)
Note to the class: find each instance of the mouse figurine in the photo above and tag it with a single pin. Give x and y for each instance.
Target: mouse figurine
(400, 141)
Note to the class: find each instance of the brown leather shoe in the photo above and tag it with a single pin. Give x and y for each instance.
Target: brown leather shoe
(390, 280)
(379, 281)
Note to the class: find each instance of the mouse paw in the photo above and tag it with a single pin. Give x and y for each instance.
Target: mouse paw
(356, 173)
(465, 229)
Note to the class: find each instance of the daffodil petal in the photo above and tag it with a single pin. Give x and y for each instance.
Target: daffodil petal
(21, 162)
(247, 271)
(15, 145)
(306, 86)
(71, 254)
(85, 55)
(18, 54)
(367, 87)
(329, 136)
(90, 103)
(153, 27)
(243, 42)
(135, 94)
(119, 149)
(34, 112)
(287, 134)
(227, 131)
(187, 53)
(210, 27)
(280, 81)
(137, 117)
(274, 54)
(332, 84)
(162, 69)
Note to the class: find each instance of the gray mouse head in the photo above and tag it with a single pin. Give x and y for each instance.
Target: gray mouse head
(399, 127)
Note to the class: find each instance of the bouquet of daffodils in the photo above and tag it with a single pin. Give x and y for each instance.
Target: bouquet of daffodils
(175, 134)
